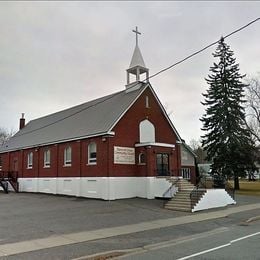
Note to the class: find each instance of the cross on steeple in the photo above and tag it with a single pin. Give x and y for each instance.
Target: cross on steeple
(136, 34)
(137, 66)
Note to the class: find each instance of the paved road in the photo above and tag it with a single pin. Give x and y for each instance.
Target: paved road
(230, 243)
(64, 224)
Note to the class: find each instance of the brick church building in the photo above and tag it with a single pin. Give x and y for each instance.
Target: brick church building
(119, 146)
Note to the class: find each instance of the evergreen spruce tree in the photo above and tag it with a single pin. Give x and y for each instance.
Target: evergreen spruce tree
(227, 141)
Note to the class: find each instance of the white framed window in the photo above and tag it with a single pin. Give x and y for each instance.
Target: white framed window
(141, 158)
(92, 153)
(30, 160)
(67, 156)
(47, 158)
(185, 173)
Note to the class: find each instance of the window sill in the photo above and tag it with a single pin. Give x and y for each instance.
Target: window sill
(94, 163)
(29, 168)
(67, 165)
(47, 166)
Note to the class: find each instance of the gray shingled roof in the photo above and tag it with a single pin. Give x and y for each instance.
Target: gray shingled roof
(89, 119)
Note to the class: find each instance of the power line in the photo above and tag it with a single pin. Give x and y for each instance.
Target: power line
(203, 49)
(154, 75)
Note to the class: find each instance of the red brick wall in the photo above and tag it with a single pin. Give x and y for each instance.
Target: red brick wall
(126, 135)
(34, 171)
(101, 167)
(52, 171)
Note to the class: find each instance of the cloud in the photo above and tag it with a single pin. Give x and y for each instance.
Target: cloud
(58, 54)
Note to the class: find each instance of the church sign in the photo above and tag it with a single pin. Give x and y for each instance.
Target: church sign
(124, 155)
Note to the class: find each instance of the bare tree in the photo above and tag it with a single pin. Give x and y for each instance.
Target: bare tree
(4, 135)
(195, 145)
(253, 107)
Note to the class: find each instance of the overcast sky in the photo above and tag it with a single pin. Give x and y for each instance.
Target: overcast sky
(54, 55)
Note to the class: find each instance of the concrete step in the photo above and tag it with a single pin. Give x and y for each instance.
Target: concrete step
(185, 187)
(179, 205)
(178, 200)
(183, 193)
(186, 209)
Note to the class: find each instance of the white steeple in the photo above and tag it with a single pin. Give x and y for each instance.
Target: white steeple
(137, 65)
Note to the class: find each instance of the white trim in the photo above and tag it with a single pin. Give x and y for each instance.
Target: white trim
(124, 112)
(109, 133)
(155, 144)
(160, 104)
(30, 160)
(107, 188)
(47, 158)
(92, 148)
(165, 114)
(67, 156)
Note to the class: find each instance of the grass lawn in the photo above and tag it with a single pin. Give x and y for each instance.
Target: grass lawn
(248, 187)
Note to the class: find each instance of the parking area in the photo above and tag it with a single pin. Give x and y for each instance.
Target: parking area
(26, 216)
(30, 220)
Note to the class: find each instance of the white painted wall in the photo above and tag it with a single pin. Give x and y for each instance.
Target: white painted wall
(214, 198)
(107, 188)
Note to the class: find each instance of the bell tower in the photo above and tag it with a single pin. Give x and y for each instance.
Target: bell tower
(137, 66)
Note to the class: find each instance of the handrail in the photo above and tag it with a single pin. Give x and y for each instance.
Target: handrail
(196, 194)
(11, 177)
(173, 184)
(217, 182)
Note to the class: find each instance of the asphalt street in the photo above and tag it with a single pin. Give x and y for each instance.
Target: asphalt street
(29, 217)
(230, 243)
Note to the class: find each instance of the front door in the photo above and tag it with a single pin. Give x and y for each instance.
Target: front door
(162, 164)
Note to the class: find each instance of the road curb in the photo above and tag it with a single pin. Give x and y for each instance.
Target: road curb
(253, 219)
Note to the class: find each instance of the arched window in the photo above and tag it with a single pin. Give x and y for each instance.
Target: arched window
(147, 132)
(67, 156)
(141, 159)
(92, 153)
(47, 158)
(30, 160)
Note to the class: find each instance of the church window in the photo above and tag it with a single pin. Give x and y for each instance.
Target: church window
(141, 159)
(92, 153)
(147, 132)
(30, 160)
(67, 156)
(47, 158)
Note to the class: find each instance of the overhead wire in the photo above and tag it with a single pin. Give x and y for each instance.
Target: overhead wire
(203, 49)
(145, 80)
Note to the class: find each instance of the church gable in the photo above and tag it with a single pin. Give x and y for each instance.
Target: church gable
(146, 121)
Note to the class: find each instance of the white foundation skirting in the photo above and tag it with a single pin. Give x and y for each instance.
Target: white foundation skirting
(214, 198)
(107, 188)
